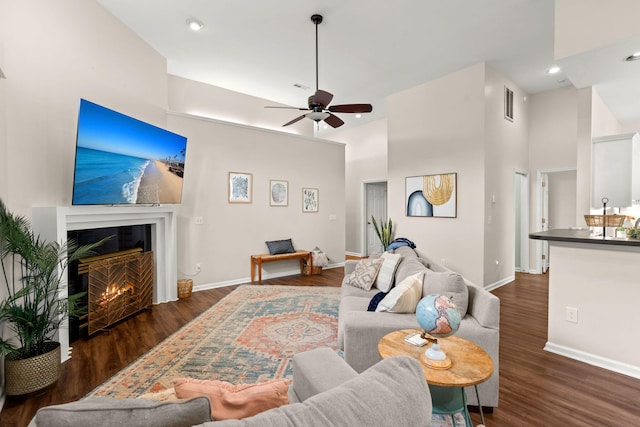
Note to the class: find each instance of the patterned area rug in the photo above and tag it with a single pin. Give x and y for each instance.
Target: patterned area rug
(247, 337)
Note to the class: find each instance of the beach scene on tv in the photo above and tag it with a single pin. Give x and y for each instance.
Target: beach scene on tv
(122, 160)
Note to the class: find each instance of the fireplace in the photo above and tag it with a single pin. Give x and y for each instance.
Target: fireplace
(53, 223)
(120, 285)
(122, 240)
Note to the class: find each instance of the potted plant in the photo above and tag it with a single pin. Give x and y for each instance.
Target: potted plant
(32, 303)
(385, 232)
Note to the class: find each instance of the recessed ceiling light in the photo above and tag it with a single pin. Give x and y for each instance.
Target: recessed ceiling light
(634, 57)
(358, 116)
(194, 24)
(553, 70)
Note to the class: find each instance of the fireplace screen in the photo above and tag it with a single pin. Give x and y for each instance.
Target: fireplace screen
(119, 285)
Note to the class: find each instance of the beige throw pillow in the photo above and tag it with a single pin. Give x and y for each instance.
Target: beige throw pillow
(404, 297)
(365, 273)
(387, 271)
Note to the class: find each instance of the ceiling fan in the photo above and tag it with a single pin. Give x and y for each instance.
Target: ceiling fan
(318, 103)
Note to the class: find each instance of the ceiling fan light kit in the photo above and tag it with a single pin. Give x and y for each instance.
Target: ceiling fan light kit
(318, 103)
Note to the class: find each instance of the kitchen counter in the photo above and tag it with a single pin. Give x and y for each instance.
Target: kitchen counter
(581, 236)
(594, 289)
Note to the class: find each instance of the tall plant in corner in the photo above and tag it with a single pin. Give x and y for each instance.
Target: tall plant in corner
(384, 232)
(33, 270)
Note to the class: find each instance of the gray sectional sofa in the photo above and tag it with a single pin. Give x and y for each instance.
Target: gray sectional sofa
(360, 330)
(325, 392)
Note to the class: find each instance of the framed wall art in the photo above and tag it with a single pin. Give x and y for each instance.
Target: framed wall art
(310, 199)
(240, 187)
(432, 195)
(278, 193)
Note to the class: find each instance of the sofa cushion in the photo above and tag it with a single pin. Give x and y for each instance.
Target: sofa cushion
(364, 276)
(409, 264)
(447, 283)
(124, 412)
(387, 272)
(404, 297)
(229, 401)
(393, 392)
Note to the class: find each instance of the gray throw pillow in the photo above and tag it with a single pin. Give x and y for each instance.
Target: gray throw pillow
(108, 412)
(449, 284)
(280, 247)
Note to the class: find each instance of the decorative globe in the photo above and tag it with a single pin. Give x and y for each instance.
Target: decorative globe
(438, 316)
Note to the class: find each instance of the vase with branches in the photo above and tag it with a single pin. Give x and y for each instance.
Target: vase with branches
(384, 231)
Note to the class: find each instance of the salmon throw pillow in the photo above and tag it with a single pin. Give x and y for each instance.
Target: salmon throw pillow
(229, 401)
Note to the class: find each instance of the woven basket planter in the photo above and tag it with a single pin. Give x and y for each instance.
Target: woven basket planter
(24, 376)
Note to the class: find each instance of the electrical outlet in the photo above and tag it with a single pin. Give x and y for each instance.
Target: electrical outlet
(198, 267)
(199, 220)
(571, 315)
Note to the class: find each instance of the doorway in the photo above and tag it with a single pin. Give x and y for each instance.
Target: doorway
(556, 207)
(375, 204)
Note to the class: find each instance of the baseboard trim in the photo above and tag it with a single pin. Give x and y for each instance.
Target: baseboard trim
(500, 283)
(592, 359)
(355, 254)
(247, 280)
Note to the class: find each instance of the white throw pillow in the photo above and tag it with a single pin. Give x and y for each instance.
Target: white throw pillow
(404, 297)
(387, 271)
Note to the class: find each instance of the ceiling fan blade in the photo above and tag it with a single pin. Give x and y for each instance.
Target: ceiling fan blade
(287, 108)
(351, 108)
(333, 121)
(321, 97)
(294, 120)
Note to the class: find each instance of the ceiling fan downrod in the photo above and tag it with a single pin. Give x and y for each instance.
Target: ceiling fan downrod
(316, 19)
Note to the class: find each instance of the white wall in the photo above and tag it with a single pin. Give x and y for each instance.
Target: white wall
(232, 232)
(506, 151)
(366, 161)
(583, 25)
(562, 199)
(71, 49)
(200, 99)
(435, 128)
(553, 144)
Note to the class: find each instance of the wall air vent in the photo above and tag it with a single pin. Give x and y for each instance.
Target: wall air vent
(508, 104)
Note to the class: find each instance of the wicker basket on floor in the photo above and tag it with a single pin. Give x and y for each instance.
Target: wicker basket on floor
(185, 286)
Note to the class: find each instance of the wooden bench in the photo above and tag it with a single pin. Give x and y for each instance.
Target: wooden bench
(257, 260)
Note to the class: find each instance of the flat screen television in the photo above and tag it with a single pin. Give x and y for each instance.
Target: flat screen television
(121, 160)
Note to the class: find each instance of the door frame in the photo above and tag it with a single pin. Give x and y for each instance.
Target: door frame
(524, 218)
(363, 209)
(539, 212)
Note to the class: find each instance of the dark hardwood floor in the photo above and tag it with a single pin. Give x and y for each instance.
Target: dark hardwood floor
(537, 388)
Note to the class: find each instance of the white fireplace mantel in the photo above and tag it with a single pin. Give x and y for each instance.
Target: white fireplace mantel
(52, 223)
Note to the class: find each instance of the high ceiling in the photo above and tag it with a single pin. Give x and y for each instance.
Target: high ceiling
(370, 49)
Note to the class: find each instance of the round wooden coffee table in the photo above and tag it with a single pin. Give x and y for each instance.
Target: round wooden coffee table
(470, 366)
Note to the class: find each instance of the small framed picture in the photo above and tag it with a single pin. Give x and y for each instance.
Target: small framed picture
(278, 193)
(240, 187)
(310, 200)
